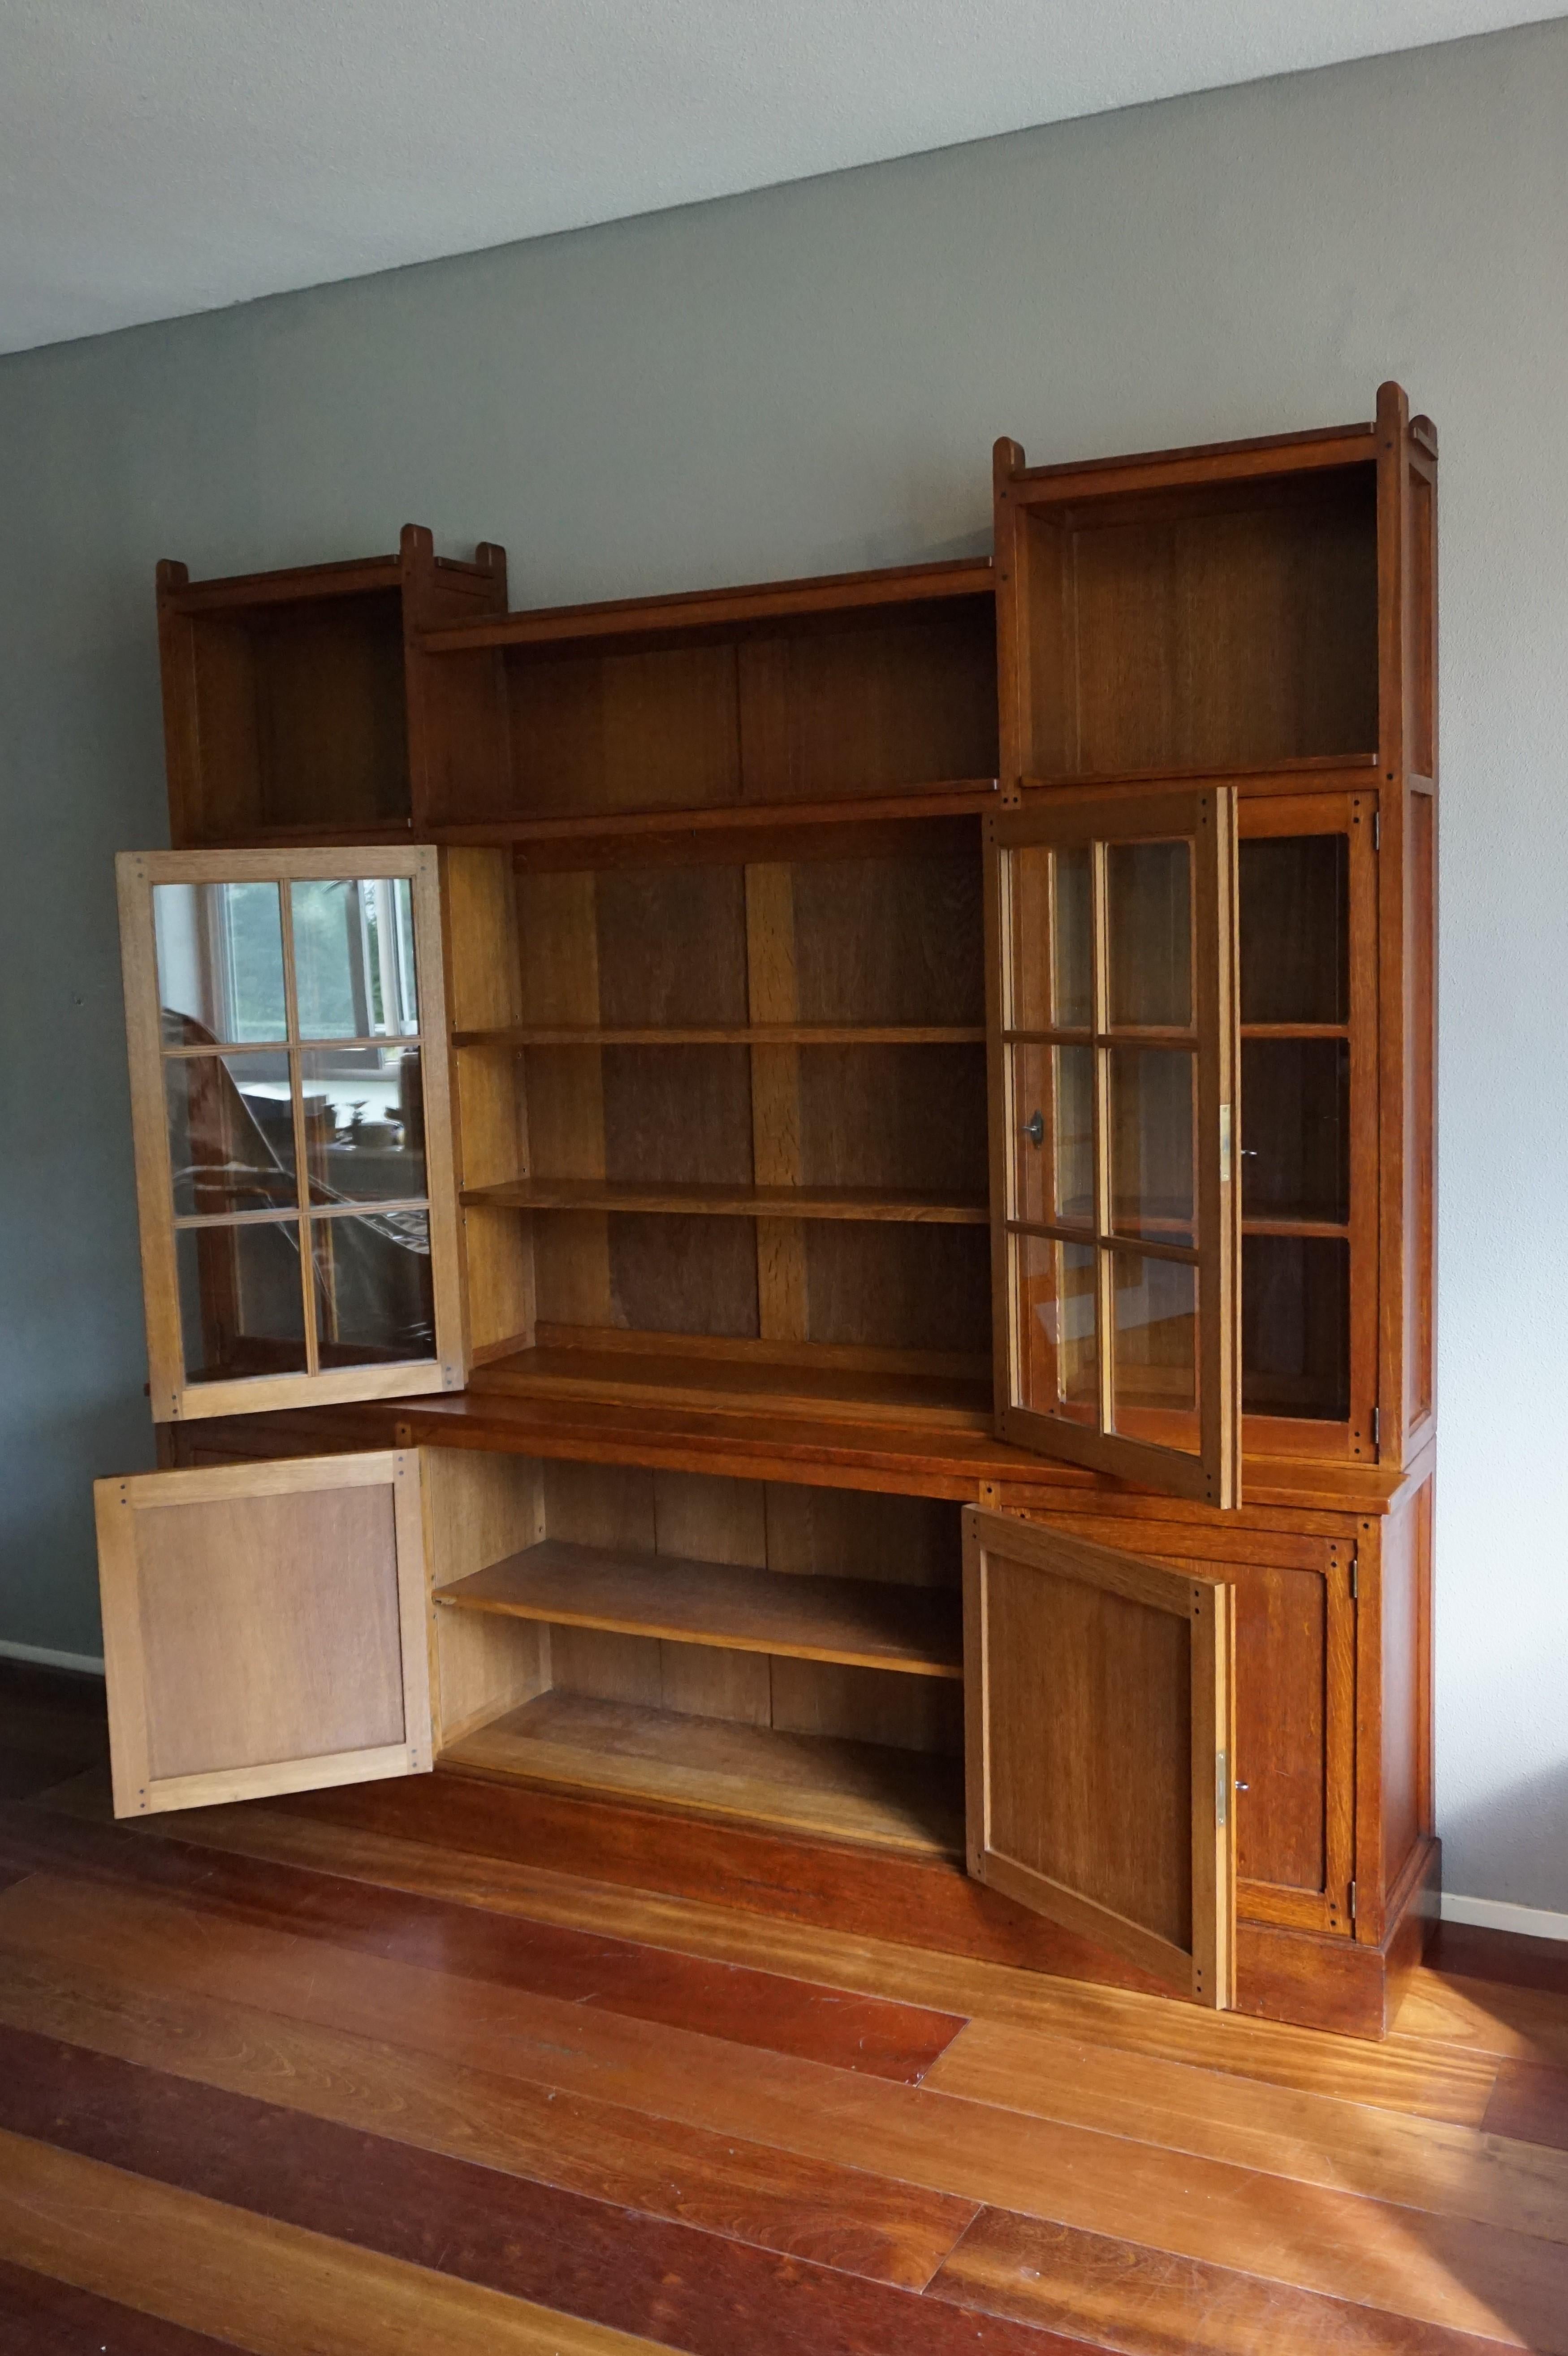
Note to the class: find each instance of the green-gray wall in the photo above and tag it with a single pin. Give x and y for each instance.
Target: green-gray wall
(809, 379)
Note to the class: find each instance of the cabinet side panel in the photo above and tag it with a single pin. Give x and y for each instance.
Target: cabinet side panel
(1421, 1056)
(1406, 1552)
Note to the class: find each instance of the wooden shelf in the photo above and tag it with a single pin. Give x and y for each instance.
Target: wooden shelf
(906, 1207)
(554, 629)
(743, 1035)
(715, 1383)
(1288, 773)
(864, 1623)
(625, 837)
(813, 1785)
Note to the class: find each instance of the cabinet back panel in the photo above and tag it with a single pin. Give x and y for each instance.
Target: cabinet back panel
(853, 1534)
(868, 709)
(624, 732)
(1226, 630)
(674, 1275)
(905, 1288)
(302, 717)
(894, 1117)
(679, 1116)
(898, 940)
(671, 946)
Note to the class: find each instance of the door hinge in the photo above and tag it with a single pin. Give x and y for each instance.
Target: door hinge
(1222, 1789)
(1377, 830)
(1351, 1902)
(1355, 1580)
(1225, 1145)
(1376, 1424)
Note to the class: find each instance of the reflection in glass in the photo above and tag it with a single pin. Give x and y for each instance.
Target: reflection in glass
(241, 1310)
(1152, 1134)
(353, 958)
(1154, 1356)
(1029, 869)
(1296, 1326)
(1053, 1147)
(364, 1123)
(1148, 916)
(231, 1139)
(221, 959)
(1072, 939)
(1295, 926)
(1058, 1355)
(374, 1302)
(1295, 1129)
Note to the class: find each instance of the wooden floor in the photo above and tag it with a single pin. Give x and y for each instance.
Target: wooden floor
(314, 2079)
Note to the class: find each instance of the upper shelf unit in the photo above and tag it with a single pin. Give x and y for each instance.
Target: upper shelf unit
(1202, 612)
(292, 708)
(397, 694)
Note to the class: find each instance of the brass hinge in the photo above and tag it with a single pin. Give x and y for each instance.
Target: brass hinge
(1221, 1789)
(1377, 830)
(1351, 1908)
(1355, 1581)
(1377, 1422)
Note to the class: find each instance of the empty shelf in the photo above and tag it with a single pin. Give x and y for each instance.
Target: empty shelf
(867, 1623)
(812, 1783)
(906, 1205)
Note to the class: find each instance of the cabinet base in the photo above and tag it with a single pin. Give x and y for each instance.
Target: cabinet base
(865, 1892)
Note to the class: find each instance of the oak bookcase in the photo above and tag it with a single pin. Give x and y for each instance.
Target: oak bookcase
(836, 1179)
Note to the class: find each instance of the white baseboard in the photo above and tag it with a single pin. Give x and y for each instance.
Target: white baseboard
(85, 1662)
(1497, 1914)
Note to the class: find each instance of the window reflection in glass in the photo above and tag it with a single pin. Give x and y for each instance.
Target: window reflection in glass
(241, 1308)
(354, 957)
(221, 959)
(1154, 1358)
(1149, 917)
(231, 1137)
(364, 1123)
(1057, 1357)
(374, 1300)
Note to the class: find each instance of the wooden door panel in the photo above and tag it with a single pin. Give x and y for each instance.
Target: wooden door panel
(264, 1628)
(1098, 1714)
(1295, 1703)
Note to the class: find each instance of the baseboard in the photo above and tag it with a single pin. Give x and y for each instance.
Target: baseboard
(1497, 1914)
(87, 1665)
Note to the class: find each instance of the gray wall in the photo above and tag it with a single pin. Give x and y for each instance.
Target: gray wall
(808, 378)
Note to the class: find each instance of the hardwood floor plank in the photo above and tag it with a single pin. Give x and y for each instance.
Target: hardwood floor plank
(1438, 2269)
(1508, 1958)
(1483, 2017)
(834, 2216)
(723, 1999)
(1143, 2302)
(40, 2317)
(1423, 2081)
(250, 2281)
(1529, 2102)
(1311, 2139)
(695, 2291)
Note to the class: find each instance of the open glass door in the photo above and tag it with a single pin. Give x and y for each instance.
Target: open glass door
(264, 1628)
(1098, 1704)
(1114, 1057)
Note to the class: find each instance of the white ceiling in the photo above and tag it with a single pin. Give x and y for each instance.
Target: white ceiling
(161, 156)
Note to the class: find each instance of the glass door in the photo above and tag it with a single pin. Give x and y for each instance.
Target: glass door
(1113, 1086)
(289, 1082)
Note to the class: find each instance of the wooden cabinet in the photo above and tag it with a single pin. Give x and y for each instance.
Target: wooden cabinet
(926, 1086)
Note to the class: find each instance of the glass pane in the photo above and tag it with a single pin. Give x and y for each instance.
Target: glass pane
(1153, 1356)
(1296, 1326)
(1295, 1129)
(231, 1133)
(374, 1305)
(1148, 916)
(221, 962)
(1058, 1370)
(1072, 939)
(1295, 929)
(242, 1312)
(364, 1123)
(1029, 874)
(1152, 1138)
(1054, 1151)
(354, 966)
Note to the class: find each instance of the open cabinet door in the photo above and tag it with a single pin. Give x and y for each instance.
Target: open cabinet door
(264, 1629)
(1097, 1696)
(1114, 1055)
